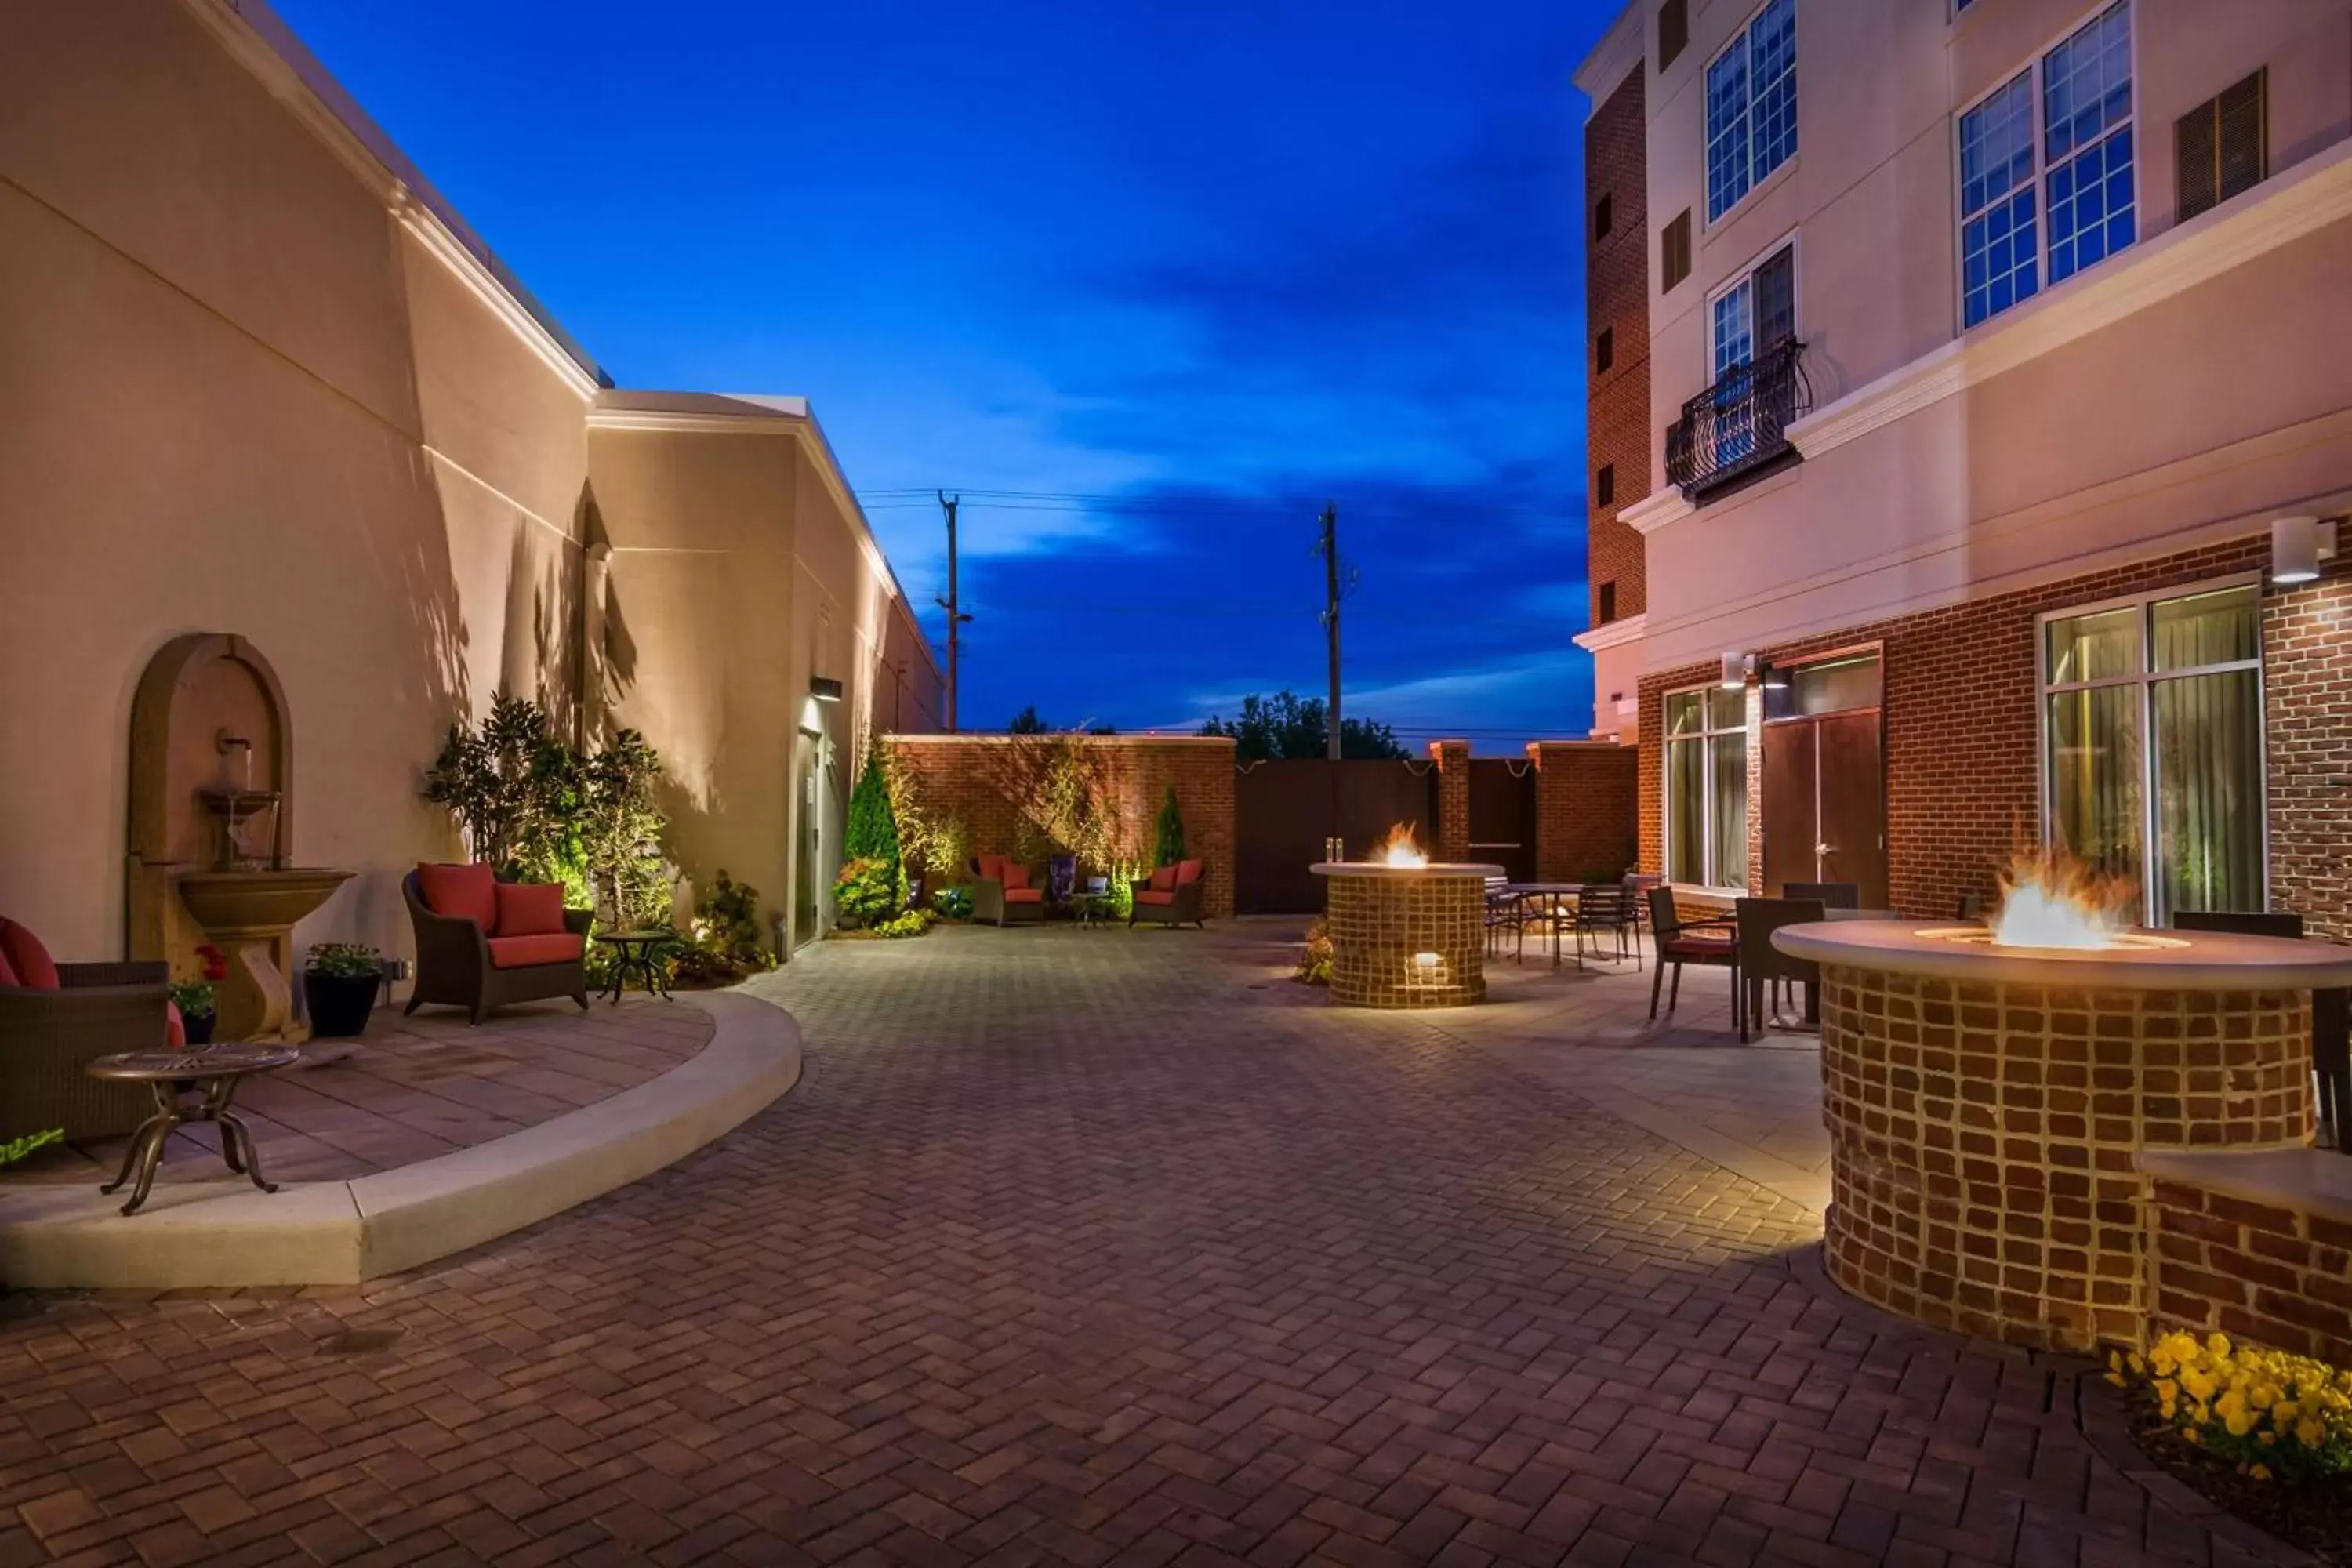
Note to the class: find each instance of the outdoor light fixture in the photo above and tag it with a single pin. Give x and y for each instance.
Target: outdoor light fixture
(824, 689)
(2298, 544)
(1735, 671)
(1771, 676)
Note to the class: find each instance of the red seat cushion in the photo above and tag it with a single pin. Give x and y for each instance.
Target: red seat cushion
(24, 955)
(992, 868)
(175, 1028)
(1188, 872)
(530, 908)
(1013, 876)
(1163, 881)
(530, 952)
(1697, 947)
(1025, 895)
(1150, 898)
(461, 892)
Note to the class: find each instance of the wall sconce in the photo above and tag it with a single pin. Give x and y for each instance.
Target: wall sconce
(1735, 671)
(2298, 544)
(824, 689)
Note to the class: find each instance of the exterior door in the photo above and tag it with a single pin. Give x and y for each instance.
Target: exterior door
(1825, 803)
(1791, 806)
(808, 859)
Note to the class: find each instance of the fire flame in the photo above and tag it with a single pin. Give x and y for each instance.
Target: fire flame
(2052, 899)
(1400, 848)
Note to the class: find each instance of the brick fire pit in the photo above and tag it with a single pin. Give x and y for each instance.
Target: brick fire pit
(1988, 1108)
(1407, 936)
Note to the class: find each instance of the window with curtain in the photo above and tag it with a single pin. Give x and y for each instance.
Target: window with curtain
(1707, 787)
(2152, 745)
(2046, 169)
(1751, 106)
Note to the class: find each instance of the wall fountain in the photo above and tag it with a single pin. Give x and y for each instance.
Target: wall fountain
(210, 826)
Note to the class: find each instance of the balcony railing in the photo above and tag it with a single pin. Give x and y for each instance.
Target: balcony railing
(1738, 429)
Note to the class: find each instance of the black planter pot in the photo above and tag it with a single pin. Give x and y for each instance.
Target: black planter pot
(198, 1027)
(340, 1004)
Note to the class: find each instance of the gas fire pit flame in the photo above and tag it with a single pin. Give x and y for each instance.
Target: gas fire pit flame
(2052, 899)
(1400, 848)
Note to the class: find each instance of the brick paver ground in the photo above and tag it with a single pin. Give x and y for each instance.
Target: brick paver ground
(1085, 1247)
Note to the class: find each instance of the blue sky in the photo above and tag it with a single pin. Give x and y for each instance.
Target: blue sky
(1165, 279)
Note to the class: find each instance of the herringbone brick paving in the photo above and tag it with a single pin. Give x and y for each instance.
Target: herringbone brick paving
(1085, 1247)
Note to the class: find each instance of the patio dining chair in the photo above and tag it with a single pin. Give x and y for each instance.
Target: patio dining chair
(2331, 1013)
(1607, 910)
(1707, 940)
(1833, 895)
(1761, 961)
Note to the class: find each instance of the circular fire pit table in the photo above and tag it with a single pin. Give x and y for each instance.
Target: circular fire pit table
(1986, 1105)
(1406, 935)
(214, 1070)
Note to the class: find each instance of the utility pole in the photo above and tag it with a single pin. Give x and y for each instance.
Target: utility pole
(953, 605)
(1330, 618)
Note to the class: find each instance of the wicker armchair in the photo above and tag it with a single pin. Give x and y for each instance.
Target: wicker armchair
(1001, 894)
(47, 1035)
(454, 967)
(1170, 896)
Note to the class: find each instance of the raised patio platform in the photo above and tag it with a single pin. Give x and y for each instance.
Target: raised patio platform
(428, 1139)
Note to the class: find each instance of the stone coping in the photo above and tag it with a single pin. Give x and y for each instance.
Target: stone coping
(1381, 869)
(225, 1234)
(2309, 1181)
(2189, 961)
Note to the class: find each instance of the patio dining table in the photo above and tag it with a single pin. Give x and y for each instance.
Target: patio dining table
(1520, 892)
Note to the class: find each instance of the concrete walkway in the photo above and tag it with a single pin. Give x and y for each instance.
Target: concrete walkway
(1108, 1248)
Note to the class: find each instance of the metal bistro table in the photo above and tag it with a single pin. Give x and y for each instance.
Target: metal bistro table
(214, 1070)
(1087, 905)
(633, 951)
(1554, 893)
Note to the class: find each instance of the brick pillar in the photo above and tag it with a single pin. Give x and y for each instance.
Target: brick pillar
(1452, 760)
(1586, 808)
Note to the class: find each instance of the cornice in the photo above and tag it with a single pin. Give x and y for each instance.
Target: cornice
(1618, 55)
(1616, 633)
(1656, 509)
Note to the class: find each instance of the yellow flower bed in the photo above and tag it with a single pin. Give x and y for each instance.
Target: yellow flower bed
(2275, 1416)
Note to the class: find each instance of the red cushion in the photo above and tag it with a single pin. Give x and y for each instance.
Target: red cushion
(992, 868)
(461, 892)
(1697, 947)
(1014, 876)
(1187, 872)
(1025, 895)
(1155, 898)
(31, 961)
(1163, 881)
(7, 971)
(530, 952)
(175, 1028)
(531, 909)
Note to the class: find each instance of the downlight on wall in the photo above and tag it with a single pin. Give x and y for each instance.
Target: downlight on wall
(2298, 544)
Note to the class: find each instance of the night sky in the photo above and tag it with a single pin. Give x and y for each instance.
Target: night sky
(1147, 284)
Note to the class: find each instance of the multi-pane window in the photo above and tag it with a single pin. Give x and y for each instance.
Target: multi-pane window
(1751, 106)
(2046, 169)
(1754, 314)
(2152, 746)
(1707, 787)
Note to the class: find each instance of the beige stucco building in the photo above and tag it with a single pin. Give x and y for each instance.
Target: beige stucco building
(1969, 321)
(258, 378)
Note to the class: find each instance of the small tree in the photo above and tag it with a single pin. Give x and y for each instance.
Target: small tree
(873, 832)
(619, 829)
(1026, 722)
(1167, 833)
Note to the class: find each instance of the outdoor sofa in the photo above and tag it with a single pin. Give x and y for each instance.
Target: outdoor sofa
(56, 1017)
(483, 944)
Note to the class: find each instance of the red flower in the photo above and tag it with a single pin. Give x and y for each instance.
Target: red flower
(216, 966)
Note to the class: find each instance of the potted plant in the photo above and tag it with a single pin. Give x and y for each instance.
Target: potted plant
(198, 1001)
(339, 986)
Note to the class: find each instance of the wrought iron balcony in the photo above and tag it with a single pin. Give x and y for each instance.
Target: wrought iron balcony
(1737, 429)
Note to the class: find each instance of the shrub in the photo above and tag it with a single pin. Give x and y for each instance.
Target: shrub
(873, 831)
(2274, 1415)
(726, 942)
(1315, 961)
(864, 894)
(954, 903)
(1168, 832)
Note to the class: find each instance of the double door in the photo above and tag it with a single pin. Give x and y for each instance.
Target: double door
(1824, 804)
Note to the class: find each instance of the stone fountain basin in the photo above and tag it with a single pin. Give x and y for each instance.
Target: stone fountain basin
(259, 900)
(2155, 961)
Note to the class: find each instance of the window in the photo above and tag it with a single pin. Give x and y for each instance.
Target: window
(2152, 736)
(1754, 313)
(1604, 485)
(1602, 218)
(1674, 31)
(1673, 251)
(1608, 603)
(1707, 787)
(1751, 107)
(2046, 172)
(1604, 349)
(2221, 147)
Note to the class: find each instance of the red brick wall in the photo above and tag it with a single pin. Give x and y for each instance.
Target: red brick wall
(1961, 731)
(1617, 296)
(1585, 809)
(2308, 691)
(968, 777)
(2277, 1276)
(1452, 760)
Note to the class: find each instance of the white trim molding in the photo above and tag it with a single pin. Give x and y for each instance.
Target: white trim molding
(431, 232)
(1615, 634)
(2298, 202)
(1655, 510)
(1618, 55)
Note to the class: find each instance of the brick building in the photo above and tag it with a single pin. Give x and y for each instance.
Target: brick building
(2000, 397)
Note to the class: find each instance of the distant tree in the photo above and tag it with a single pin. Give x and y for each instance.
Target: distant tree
(1102, 729)
(1285, 727)
(1026, 722)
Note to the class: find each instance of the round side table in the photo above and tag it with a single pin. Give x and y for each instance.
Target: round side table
(633, 952)
(216, 1070)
